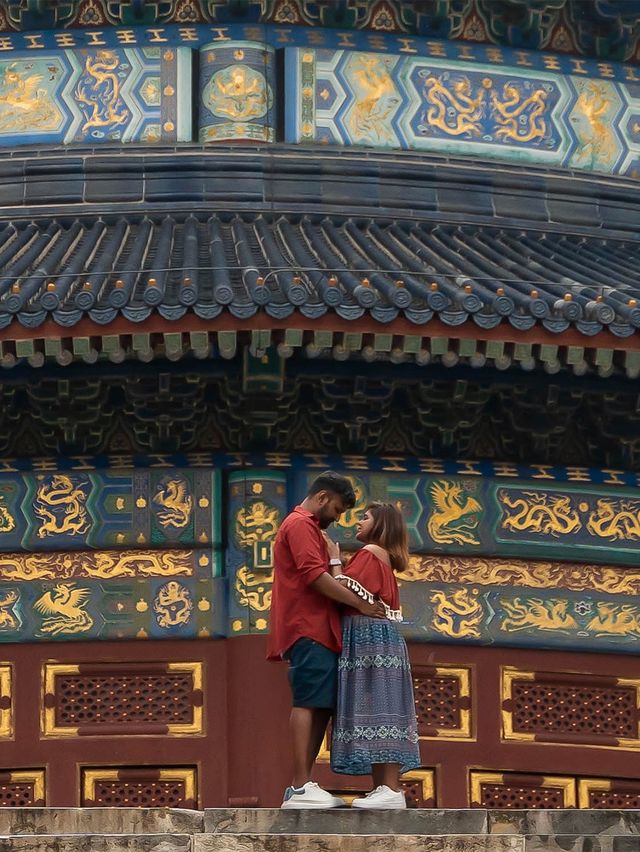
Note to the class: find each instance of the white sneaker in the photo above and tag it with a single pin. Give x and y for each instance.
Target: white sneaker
(382, 798)
(310, 796)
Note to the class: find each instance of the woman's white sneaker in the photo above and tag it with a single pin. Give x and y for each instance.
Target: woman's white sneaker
(310, 796)
(382, 798)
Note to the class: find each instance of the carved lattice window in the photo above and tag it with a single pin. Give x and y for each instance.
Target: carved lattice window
(515, 791)
(443, 702)
(144, 787)
(562, 706)
(123, 698)
(567, 708)
(609, 794)
(21, 789)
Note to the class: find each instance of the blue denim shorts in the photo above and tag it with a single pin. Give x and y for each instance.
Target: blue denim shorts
(313, 674)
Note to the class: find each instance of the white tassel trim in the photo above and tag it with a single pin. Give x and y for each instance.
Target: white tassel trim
(354, 586)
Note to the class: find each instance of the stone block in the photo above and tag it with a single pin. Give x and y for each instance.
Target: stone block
(97, 843)
(124, 821)
(579, 843)
(355, 843)
(344, 821)
(570, 821)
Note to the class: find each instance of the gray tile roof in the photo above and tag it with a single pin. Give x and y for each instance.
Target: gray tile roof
(70, 270)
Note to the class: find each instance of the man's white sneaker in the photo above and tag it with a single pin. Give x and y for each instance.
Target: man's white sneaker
(310, 796)
(382, 798)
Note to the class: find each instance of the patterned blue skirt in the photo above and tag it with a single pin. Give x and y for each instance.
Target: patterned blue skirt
(375, 720)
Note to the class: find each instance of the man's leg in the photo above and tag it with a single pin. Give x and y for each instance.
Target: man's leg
(301, 724)
(308, 726)
(321, 718)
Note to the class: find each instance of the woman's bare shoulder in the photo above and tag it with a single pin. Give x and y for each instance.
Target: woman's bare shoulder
(378, 551)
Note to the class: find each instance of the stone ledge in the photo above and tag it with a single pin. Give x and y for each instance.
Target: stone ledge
(345, 821)
(70, 821)
(97, 843)
(358, 843)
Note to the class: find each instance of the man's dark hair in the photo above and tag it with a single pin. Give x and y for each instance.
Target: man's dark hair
(337, 484)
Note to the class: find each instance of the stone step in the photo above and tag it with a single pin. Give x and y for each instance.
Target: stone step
(97, 843)
(100, 821)
(222, 842)
(362, 843)
(426, 822)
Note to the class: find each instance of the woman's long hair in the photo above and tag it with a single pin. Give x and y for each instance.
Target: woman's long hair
(390, 532)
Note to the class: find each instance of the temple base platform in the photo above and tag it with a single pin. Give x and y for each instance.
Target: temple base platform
(344, 830)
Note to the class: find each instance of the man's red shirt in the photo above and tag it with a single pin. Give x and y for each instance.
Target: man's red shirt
(300, 557)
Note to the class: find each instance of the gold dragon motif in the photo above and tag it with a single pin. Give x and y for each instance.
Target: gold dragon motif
(530, 574)
(7, 521)
(616, 520)
(63, 608)
(525, 613)
(509, 110)
(458, 614)
(615, 620)
(60, 504)
(455, 104)
(453, 519)
(176, 504)
(102, 91)
(253, 588)
(8, 618)
(173, 605)
(256, 522)
(349, 519)
(540, 513)
(97, 564)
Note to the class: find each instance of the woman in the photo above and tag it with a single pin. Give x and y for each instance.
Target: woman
(374, 729)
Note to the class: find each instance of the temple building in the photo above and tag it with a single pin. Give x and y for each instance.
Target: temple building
(244, 241)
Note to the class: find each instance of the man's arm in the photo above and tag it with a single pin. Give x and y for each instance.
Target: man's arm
(331, 588)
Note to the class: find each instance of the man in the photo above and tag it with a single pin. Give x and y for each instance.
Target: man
(306, 630)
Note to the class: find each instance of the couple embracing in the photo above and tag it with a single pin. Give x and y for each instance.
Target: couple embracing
(337, 627)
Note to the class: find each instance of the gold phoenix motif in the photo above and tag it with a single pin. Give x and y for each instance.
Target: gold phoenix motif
(523, 613)
(458, 613)
(611, 619)
(616, 520)
(376, 101)
(173, 605)
(254, 588)
(547, 514)
(97, 564)
(256, 522)
(60, 504)
(8, 618)
(615, 620)
(63, 608)
(100, 90)
(176, 504)
(592, 125)
(24, 104)
(511, 572)
(452, 518)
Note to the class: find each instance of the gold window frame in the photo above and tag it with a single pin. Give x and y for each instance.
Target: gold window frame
(560, 782)
(48, 727)
(94, 775)
(510, 673)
